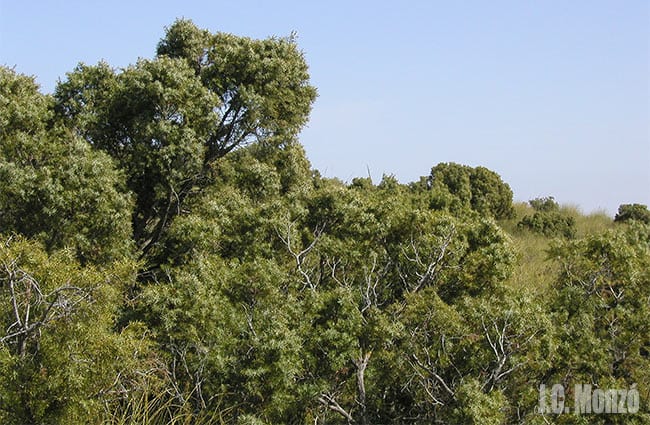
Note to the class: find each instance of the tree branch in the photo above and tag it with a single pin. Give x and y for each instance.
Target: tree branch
(329, 402)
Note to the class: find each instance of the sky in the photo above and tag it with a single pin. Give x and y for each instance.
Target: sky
(552, 95)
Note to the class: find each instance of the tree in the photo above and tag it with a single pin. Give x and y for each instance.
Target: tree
(229, 334)
(167, 120)
(54, 187)
(549, 223)
(600, 309)
(630, 212)
(471, 361)
(60, 359)
(221, 303)
(171, 257)
(545, 204)
(548, 220)
(458, 187)
(364, 256)
(490, 194)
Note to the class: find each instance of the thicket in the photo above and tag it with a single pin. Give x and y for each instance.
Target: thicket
(548, 219)
(629, 212)
(169, 256)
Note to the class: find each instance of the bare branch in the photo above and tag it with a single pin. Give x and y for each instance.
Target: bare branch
(430, 370)
(329, 401)
(26, 297)
(431, 265)
(361, 364)
(299, 257)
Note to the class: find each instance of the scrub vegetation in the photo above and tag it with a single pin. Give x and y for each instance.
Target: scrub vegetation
(169, 256)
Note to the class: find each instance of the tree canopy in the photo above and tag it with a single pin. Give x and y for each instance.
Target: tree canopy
(168, 255)
(55, 187)
(167, 120)
(629, 212)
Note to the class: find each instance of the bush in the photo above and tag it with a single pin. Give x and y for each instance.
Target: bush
(629, 212)
(550, 224)
(545, 204)
(458, 187)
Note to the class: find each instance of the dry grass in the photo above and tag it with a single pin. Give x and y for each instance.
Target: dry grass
(588, 224)
(534, 271)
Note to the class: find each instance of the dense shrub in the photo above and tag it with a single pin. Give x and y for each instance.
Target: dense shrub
(548, 220)
(629, 212)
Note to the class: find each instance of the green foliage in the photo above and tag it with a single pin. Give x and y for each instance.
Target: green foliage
(630, 212)
(266, 293)
(546, 204)
(476, 407)
(495, 344)
(490, 195)
(459, 187)
(54, 187)
(548, 220)
(167, 120)
(601, 304)
(227, 327)
(60, 358)
(549, 224)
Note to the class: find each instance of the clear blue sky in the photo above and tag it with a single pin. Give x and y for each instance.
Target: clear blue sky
(553, 95)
